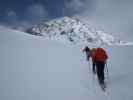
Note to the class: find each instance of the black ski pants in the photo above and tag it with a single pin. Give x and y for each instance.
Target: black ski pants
(100, 71)
(93, 67)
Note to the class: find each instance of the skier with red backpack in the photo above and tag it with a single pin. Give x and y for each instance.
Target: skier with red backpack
(100, 59)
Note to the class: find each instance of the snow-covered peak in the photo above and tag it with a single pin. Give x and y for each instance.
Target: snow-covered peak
(73, 30)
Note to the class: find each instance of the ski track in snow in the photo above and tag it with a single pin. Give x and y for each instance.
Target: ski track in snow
(34, 68)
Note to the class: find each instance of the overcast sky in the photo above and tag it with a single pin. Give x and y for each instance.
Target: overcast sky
(112, 16)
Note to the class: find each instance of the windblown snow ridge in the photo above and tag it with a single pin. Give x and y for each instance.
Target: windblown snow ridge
(74, 31)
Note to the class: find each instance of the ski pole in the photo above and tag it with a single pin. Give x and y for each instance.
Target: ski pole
(89, 65)
(107, 72)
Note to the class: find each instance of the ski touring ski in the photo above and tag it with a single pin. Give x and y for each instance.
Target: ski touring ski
(103, 86)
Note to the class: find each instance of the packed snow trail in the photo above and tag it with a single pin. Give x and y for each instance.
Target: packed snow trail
(33, 68)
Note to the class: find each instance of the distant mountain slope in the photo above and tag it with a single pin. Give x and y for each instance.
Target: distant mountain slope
(72, 30)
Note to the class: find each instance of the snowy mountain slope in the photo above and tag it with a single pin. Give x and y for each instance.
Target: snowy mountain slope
(72, 30)
(34, 68)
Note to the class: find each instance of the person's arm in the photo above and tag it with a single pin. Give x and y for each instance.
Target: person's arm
(83, 50)
(106, 55)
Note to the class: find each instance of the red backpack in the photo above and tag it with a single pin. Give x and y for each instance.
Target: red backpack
(100, 55)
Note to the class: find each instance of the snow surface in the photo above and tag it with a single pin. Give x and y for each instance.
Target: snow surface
(34, 68)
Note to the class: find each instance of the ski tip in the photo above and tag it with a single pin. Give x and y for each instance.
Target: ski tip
(103, 87)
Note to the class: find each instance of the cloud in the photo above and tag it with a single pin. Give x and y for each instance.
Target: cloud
(112, 16)
(11, 14)
(11, 17)
(115, 16)
(34, 14)
(74, 7)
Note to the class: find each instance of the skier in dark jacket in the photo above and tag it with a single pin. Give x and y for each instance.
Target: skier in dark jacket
(88, 52)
